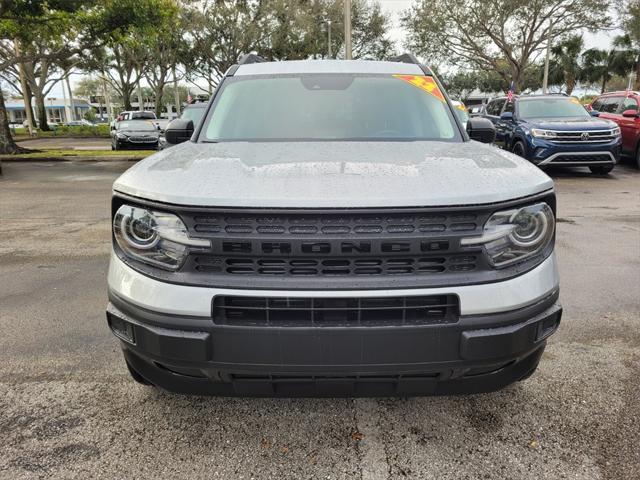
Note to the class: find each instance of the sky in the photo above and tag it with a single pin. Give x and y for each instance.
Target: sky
(394, 9)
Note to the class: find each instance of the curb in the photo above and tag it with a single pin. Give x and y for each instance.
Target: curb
(79, 158)
(29, 139)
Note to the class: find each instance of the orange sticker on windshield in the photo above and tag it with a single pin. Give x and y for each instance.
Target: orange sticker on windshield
(428, 84)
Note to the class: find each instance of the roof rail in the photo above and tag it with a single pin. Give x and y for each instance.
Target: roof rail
(250, 58)
(411, 58)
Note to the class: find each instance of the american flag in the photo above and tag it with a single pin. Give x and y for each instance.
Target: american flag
(511, 92)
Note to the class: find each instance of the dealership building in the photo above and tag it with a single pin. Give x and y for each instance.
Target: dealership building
(58, 110)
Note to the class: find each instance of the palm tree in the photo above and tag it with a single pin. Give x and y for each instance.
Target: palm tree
(601, 65)
(565, 66)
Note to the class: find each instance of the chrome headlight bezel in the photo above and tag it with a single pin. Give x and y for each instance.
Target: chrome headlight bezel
(541, 133)
(516, 235)
(153, 237)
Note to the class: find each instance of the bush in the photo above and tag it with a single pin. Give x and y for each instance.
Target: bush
(65, 131)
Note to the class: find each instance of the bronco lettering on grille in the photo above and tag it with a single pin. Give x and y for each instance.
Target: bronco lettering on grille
(327, 248)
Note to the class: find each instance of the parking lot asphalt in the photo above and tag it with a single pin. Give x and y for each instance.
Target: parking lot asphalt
(68, 408)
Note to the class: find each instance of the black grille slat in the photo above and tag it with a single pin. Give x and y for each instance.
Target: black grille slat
(339, 266)
(582, 158)
(325, 312)
(332, 224)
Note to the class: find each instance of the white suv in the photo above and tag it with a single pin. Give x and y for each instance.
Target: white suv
(330, 228)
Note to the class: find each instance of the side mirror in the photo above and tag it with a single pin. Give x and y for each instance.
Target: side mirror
(178, 131)
(630, 113)
(481, 129)
(594, 113)
(508, 116)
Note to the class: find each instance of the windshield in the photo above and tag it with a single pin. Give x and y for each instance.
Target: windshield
(329, 107)
(462, 114)
(147, 115)
(137, 126)
(564, 107)
(194, 114)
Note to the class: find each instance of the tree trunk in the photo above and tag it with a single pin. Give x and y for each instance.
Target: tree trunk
(73, 108)
(176, 93)
(159, 94)
(571, 84)
(28, 97)
(140, 98)
(126, 97)
(42, 112)
(604, 83)
(637, 84)
(7, 145)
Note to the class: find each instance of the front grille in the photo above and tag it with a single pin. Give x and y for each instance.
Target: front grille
(339, 266)
(143, 139)
(335, 312)
(583, 158)
(599, 136)
(332, 224)
(335, 249)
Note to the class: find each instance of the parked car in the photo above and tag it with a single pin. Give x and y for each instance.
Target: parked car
(330, 228)
(135, 115)
(622, 108)
(555, 130)
(135, 134)
(193, 112)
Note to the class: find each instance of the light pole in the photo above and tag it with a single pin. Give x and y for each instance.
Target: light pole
(545, 79)
(329, 38)
(347, 29)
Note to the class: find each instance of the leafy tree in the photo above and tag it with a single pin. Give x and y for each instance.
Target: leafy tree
(601, 65)
(166, 47)
(505, 36)
(222, 31)
(630, 13)
(90, 115)
(565, 66)
(60, 31)
(298, 30)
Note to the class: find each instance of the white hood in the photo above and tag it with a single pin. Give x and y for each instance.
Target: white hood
(332, 174)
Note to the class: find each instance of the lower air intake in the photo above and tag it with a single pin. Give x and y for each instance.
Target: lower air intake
(334, 312)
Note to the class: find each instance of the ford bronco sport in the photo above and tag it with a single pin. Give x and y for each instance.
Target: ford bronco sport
(331, 229)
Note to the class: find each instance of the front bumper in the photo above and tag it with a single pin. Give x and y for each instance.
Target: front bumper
(127, 144)
(546, 152)
(479, 352)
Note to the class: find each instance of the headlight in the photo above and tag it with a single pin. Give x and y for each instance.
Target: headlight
(121, 136)
(513, 235)
(536, 132)
(152, 237)
(616, 131)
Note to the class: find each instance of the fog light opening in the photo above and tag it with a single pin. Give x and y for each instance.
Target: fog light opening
(121, 328)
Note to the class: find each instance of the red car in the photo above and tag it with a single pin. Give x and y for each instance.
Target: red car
(624, 109)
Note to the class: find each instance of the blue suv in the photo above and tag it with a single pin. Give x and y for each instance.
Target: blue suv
(555, 130)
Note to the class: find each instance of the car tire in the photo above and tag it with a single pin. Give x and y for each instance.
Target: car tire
(519, 149)
(601, 169)
(137, 377)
